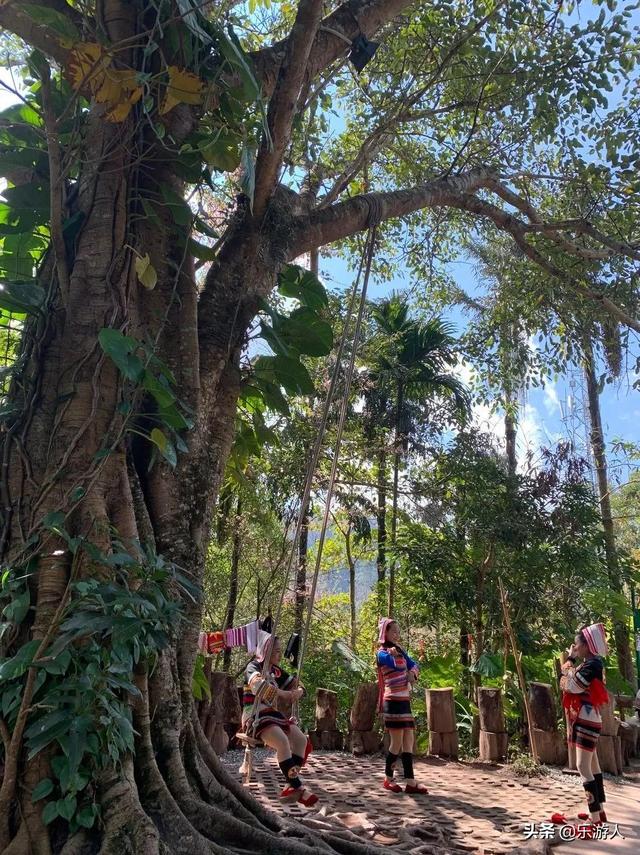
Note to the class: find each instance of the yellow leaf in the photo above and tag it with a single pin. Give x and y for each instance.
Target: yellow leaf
(146, 272)
(119, 113)
(183, 88)
(86, 66)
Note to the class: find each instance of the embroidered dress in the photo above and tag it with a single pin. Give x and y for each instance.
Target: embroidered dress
(395, 687)
(584, 693)
(267, 715)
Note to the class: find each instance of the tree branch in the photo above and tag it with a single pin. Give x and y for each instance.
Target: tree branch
(282, 105)
(330, 42)
(345, 218)
(16, 21)
(338, 221)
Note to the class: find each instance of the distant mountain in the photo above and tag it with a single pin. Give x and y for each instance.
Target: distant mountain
(336, 581)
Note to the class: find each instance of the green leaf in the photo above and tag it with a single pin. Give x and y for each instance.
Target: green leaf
(77, 493)
(487, 665)
(204, 228)
(42, 789)
(86, 816)
(50, 812)
(18, 664)
(180, 212)
(232, 51)
(17, 609)
(167, 449)
(163, 395)
(307, 332)
(67, 806)
(302, 285)
(286, 372)
(25, 297)
(54, 521)
(58, 664)
(121, 350)
(201, 251)
(151, 212)
(29, 202)
(53, 20)
(223, 152)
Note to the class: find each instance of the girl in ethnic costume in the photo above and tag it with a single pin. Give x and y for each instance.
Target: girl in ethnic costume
(277, 732)
(397, 672)
(583, 695)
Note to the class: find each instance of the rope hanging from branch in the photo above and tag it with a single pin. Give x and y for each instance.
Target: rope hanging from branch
(365, 263)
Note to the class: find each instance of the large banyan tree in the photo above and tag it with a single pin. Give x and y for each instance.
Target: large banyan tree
(163, 172)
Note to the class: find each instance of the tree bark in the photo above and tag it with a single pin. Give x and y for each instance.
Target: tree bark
(510, 429)
(621, 631)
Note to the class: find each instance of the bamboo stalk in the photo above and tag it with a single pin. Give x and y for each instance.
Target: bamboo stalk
(517, 657)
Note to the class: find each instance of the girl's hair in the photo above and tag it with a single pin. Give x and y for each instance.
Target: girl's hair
(582, 636)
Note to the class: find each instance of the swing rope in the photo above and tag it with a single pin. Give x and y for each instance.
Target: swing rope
(369, 250)
(365, 262)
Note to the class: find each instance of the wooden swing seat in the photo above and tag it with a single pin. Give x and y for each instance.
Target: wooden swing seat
(249, 741)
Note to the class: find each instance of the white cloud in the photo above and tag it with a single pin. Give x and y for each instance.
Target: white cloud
(551, 400)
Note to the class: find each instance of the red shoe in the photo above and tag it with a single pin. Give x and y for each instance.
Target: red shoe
(391, 785)
(291, 794)
(560, 818)
(299, 794)
(307, 800)
(416, 789)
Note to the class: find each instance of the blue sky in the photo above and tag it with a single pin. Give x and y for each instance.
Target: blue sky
(547, 415)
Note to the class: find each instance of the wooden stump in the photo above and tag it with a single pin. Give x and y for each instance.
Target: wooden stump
(326, 735)
(441, 718)
(326, 709)
(364, 742)
(609, 755)
(326, 740)
(551, 747)
(443, 744)
(363, 738)
(543, 708)
(441, 714)
(610, 723)
(628, 736)
(365, 707)
(492, 738)
(490, 708)
(493, 746)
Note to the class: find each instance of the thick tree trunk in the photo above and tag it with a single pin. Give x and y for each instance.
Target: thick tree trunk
(621, 631)
(510, 429)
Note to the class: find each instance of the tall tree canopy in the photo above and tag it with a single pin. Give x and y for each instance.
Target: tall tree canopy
(154, 142)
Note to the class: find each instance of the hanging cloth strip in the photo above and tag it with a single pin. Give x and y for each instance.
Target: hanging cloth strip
(247, 636)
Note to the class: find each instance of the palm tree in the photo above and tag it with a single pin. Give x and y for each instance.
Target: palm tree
(408, 372)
